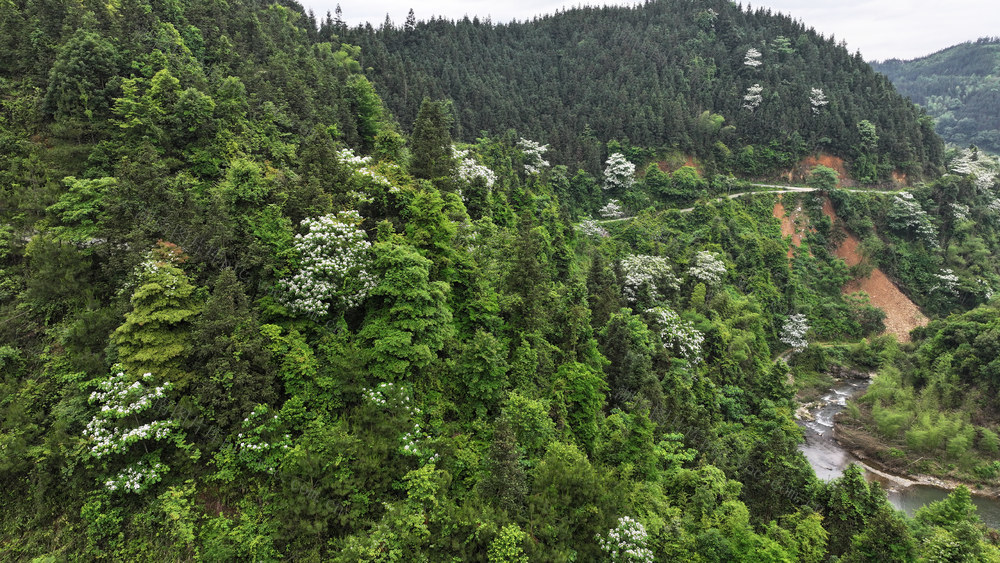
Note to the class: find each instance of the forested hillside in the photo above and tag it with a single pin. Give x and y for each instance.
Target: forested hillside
(747, 91)
(244, 317)
(958, 87)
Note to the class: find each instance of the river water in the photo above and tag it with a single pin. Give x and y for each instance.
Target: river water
(829, 460)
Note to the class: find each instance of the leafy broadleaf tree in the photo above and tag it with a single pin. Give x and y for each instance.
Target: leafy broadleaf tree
(412, 320)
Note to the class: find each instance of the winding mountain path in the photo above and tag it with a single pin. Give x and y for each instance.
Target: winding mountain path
(902, 314)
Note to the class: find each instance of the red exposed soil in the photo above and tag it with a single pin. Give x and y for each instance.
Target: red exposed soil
(801, 171)
(901, 314)
(666, 166)
(788, 227)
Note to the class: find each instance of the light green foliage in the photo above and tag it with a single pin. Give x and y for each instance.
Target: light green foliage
(79, 208)
(413, 321)
(565, 494)
(482, 369)
(156, 334)
(823, 178)
(989, 442)
(530, 421)
(506, 548)
(584, 396)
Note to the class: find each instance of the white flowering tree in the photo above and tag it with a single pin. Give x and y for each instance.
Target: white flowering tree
(817, 99)
(647, 274)
(335, 266)
(396, 400)
(469, 170)
(980, 166)
(752, 58)
(364, 175)
(260, 445)
(678, 336)
(906, 214)
(627, 542)
(753, 98)
(793, 333)
(707, 268)
(533, 151)
(613, 210)
(122, 420)
(591, 228)
(947, 282)
(619, 173)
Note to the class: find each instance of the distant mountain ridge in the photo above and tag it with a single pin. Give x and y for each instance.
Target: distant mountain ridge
(959, 87)
(649, 74)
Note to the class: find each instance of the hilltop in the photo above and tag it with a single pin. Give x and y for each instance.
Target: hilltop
(749, 92)
(959, 87)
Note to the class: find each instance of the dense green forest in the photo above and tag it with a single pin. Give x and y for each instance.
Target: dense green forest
(248, 315)
(957, 86)
(745, 90)
(934, 410)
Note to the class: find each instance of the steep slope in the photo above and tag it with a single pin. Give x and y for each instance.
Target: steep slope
(901, 314)
(959, 87)
(669, 73)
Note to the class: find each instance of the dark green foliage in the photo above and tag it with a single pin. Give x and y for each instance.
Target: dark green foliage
(505, 482)
(430, 157)
(956, 88)
(488, 398)
(655, 76)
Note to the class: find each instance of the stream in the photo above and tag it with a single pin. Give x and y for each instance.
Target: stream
(829, 459)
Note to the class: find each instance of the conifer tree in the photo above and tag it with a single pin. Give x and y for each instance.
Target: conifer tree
(431, 142)
(413, 320)
(156, 335)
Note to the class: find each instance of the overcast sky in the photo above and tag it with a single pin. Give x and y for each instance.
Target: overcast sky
(880, 29)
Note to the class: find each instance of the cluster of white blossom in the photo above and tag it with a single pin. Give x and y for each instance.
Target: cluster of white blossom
(907, 213)
(374, 176)
(335, 265)
(987, 289)
(469, 170)
(359, 165)
(752, 58)
(651, 272)
(994, 205)
(591, 228)
(979, 165)
(947, 281)
(677, 334)
(752, 99)
(817, 99)
(627, 542)
(260, 445)
(960, 212)
(137, 476)
(613, 210)
(119, 397)
(397, 399)
(533, 161)
(707, 268)
(793, 333)
(619, 173)
(348, 158)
